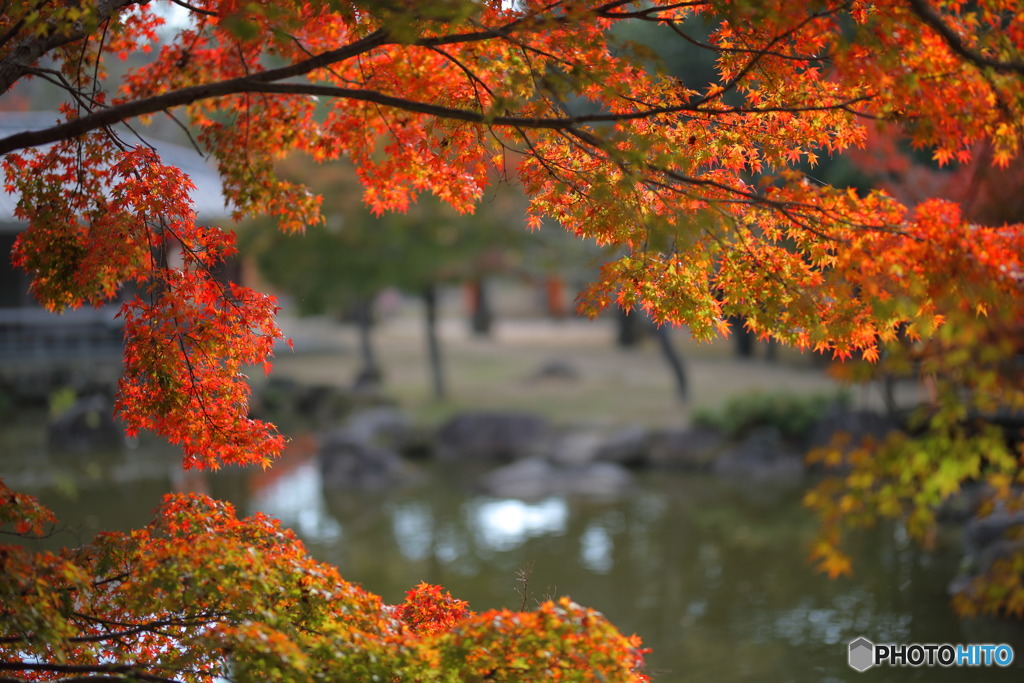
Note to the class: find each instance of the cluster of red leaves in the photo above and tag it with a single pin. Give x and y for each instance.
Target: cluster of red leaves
(184, 359)
(559, 641)
(199, 593)
(188, 335)
(431, 609)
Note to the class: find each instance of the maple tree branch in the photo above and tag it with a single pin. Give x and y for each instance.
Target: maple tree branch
(649, 13)
(195, 383)
(174, 98)
(13, 30)
(800, 215)
(27, 52)
(270, 81)
(192, 8)
(74, 679)
(758, 55)
(475, 80)
(99, 59)
(57, 78)
(674, 27)
(931, 18)
(308, 53)
(187, 133)
(265, 82)
(112, 579)
(117, 113)
(794, 212)
(129, 672)
(747, 248)
(136, 629)
(844, 105)
(538, 122)
(553, 168)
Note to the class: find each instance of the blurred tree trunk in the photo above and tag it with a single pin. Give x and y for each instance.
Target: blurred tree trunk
(429, 294)
(630, 328)
(481, 316)
(674, 360)
(554, 296)
(634, 325)
(744, 337)
(370, 372)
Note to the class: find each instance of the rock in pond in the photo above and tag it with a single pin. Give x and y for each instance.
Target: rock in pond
(348, 463)
(763, 456)
(87, 424)
(534, 478)
(628, 446)
(384, 426)
(987, 540)
(691, 450)
(490, 436)
(858, 424)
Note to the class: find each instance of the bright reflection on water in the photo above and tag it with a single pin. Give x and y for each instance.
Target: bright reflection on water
(503, 525)
(711, 575)
(596, 549)
(411, 526)
(295, 499)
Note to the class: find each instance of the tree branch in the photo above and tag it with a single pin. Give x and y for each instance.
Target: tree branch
(652, 14)
(931, 18)
(276, 81)
(259, 83)
(24, 55)
(134, 629)
(191, 8)
(150, 105)
(129, 672)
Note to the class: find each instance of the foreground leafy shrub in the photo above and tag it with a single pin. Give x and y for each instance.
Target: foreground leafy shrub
(199, 594)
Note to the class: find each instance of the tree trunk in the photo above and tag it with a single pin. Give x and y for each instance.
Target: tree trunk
(481, 315)
(674, 360)
(630, 328)
(554, 294)
(433, 342)
(744, 337)
(370, 374)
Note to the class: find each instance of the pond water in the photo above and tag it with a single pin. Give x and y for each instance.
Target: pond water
(711, 574)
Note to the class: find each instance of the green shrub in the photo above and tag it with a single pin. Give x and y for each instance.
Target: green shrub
(794, 415)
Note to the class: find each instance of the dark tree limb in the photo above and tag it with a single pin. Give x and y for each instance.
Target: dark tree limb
(931, 18)
(112, 672)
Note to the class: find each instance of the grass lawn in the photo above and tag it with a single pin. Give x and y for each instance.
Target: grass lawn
(610, 386)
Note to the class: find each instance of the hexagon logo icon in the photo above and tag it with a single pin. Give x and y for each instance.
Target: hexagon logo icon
(862, 654)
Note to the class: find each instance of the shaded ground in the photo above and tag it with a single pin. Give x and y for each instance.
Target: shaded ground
(609, 384)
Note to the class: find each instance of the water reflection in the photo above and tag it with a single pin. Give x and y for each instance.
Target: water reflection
(711, 575)
(596, 549)
(503, 525)
(412, 525)
(295, 499)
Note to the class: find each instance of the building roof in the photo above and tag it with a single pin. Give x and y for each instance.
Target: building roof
(208, 199)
